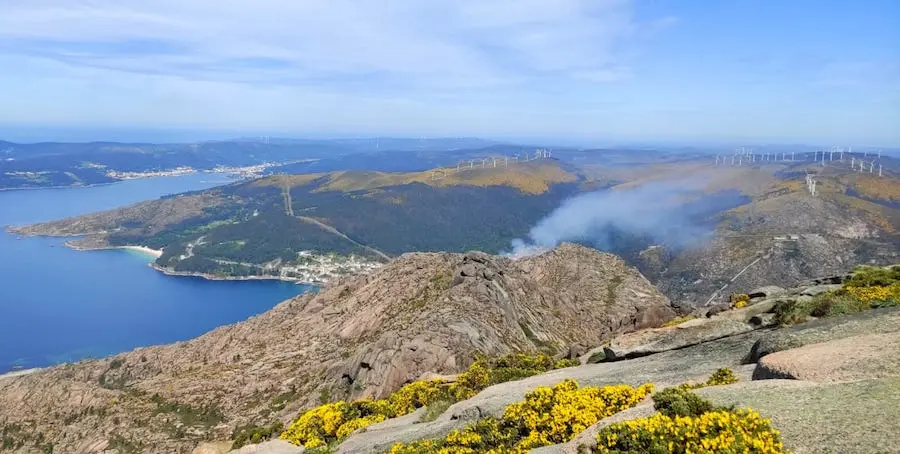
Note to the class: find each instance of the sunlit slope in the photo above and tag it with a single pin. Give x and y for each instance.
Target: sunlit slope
(534, 177)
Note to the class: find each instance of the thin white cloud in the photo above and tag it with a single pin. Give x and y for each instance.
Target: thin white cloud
(441, 43)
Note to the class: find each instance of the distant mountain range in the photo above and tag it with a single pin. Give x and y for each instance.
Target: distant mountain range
(73, 164)
(53, 164)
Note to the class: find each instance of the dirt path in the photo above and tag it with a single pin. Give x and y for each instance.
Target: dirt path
(288, 203)
(340, 234)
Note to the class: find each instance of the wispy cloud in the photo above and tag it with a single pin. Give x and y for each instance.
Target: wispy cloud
(606, 69)
(444, 43)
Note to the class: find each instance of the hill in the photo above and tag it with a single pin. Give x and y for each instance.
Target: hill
(289, 225)
(363, 336)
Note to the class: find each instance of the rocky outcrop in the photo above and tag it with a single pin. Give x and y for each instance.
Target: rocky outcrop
(870, 356)
(361, 336)
(724, 323)
(693, 332)
(845, 401)
(670, 368)
(870, 322)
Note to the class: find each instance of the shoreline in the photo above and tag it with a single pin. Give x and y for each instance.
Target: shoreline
(213, 277)
(71, 186)
(19, 373)
(120, 180)
(155, 253)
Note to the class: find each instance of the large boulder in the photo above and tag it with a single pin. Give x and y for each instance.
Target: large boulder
(650, 341)
(852, 358)
(826, 329)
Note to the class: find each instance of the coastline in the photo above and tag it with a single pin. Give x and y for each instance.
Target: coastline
(19, 373)
(238, 175)
(71, 186)
(213, 277)
(115, 181)
(155, 253)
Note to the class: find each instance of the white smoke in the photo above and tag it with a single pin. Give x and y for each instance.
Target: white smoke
(660, 211)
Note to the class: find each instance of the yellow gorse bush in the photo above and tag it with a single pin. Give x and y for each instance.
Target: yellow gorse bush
(715, 432)
(327, 423)
(739, 300)
(875, 293)
(330, 422)
(554, 415)
(546, 416)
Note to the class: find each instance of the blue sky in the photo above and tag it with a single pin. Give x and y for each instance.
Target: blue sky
(593, 70)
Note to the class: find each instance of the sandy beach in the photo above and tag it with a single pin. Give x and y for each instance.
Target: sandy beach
(156, 253)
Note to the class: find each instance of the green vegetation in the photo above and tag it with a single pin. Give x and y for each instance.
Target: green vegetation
(739, 300)
(207, 416)
(713, 432)
(723, 376)
(686, 423)
(252, 434)
(250, 226)
(436, 408)
(680, 401)
(547, 416)
(868, 288)
(330, 422)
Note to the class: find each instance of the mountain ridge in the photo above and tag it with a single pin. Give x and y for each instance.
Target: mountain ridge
(360, 336)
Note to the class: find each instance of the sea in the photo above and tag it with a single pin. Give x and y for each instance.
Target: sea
(60, 305)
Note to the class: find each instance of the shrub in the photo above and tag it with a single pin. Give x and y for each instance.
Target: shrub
(436, 409)
(743, 431)
(546, 416)
(790, 312)
(564, 363)
(739, 300)
(254, 434)
(680, 401)
(723, 376)
(677, 321)
(330, 422)
(874, 293)
(873, 276)
(868, 288)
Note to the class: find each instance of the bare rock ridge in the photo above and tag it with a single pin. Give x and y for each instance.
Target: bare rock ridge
(361, 336)
(829, 385)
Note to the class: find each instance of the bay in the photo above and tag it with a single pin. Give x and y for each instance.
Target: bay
(61, 305)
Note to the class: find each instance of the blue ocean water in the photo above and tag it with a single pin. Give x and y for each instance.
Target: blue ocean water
(59, 305)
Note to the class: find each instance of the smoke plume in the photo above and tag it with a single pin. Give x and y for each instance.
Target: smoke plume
(667, 212)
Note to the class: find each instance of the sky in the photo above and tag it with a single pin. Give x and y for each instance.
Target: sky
(774, 71)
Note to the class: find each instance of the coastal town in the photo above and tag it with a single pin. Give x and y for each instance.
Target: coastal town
(237, 172)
